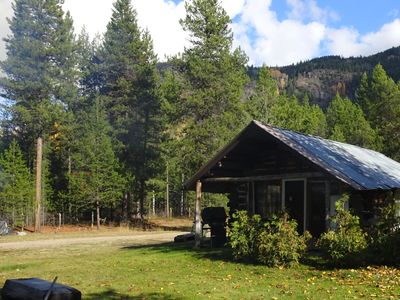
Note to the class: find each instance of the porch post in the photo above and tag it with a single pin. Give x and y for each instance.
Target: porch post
(198, 233)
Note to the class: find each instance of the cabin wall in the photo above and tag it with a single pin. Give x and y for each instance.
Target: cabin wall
(315, 202)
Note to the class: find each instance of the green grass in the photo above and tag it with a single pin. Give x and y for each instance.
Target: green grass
(172, 271)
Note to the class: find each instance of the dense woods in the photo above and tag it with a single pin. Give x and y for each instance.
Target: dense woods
(118, 131)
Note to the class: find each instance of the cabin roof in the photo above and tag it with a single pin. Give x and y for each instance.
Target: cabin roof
(361, 168)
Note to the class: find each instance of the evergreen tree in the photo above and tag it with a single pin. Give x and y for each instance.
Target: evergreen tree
(303, 117)
(215, 77)
(40, 68)
(379, 96)
(95, 180)
(130, 80)
(17, 188)
(346, 123)
(263, 96)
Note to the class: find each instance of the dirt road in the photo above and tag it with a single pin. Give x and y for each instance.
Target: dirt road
(137, 238)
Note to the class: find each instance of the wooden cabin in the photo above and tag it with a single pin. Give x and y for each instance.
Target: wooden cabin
(266, 169)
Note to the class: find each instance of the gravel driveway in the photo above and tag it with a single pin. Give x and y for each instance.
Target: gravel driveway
(134, 239)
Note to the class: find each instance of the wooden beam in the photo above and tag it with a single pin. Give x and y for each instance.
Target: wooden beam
(198, 233)
(264, 177)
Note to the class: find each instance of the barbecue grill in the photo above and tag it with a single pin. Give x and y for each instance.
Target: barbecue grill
(215, 217)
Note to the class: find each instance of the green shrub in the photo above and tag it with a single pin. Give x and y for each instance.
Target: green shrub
(273, 243)
(279, 244)
(385, 234)
(346, 241)
(243, 234)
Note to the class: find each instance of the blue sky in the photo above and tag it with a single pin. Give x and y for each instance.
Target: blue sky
(365, 15)
(271, 32)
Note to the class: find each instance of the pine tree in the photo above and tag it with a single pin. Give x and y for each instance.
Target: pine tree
(40, 69)
(303, 117)
(17, 189)
(95, 180)
(263, 96)
(215, 77)
(346, 123)
(130, 81)
(379, 96)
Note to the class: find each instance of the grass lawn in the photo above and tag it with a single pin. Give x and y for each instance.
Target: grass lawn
(170, 271)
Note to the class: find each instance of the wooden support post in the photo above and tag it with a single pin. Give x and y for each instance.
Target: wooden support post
(198, 232)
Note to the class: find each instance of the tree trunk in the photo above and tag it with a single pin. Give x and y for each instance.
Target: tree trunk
(38, 187)
(154, 204)
(98, 214)
(167, 195)
(141, 200)
(182, 196)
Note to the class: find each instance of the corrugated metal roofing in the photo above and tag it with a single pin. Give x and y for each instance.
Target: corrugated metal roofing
(361, 168)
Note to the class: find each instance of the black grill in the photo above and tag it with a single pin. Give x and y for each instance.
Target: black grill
(215, 217)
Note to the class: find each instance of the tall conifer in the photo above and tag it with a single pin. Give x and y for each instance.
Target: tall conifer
(40, 69)
(215, 79)
(130, 79)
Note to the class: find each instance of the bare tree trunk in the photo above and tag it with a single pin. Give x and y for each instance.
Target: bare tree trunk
(98, 214)
(167, 195)
(154, 204)
(141, 200)
(182, 196)
(38, 188)
(92, 224)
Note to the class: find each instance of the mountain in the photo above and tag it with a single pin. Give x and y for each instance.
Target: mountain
(321, 78)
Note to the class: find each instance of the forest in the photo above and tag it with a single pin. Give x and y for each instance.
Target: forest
(97, 126)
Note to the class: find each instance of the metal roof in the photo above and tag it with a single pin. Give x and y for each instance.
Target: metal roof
(361, 168)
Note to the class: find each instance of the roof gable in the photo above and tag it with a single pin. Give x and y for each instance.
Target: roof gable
(361, 168)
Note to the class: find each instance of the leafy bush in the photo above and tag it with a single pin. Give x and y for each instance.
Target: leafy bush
(279, 243)
(346, 241)
(385, 234)
(273, 243)
(243, 234)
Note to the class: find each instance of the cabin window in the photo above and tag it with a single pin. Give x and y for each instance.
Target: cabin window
(268, 198)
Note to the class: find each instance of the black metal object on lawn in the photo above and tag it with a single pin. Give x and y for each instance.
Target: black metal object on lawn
(215, 217)
(37, 289)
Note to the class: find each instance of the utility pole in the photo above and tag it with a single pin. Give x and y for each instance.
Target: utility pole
(38, 187)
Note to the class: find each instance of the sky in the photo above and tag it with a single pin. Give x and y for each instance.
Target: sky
(271, 32)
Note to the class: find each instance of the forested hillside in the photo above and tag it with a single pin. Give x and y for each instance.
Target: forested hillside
(321, 78)
(98, 128)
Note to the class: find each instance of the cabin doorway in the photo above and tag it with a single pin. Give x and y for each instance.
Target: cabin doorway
(294, 201)
(316, 207)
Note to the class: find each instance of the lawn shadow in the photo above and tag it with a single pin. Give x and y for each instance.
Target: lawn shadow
(205, 252)
(313, 259)
(111, 294)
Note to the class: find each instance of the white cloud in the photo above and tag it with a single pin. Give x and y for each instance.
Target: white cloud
(349, 42)
(308, 10)
(276, 42)
(5, 11)
(160, 17)
(233, 7)
(257, 29)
